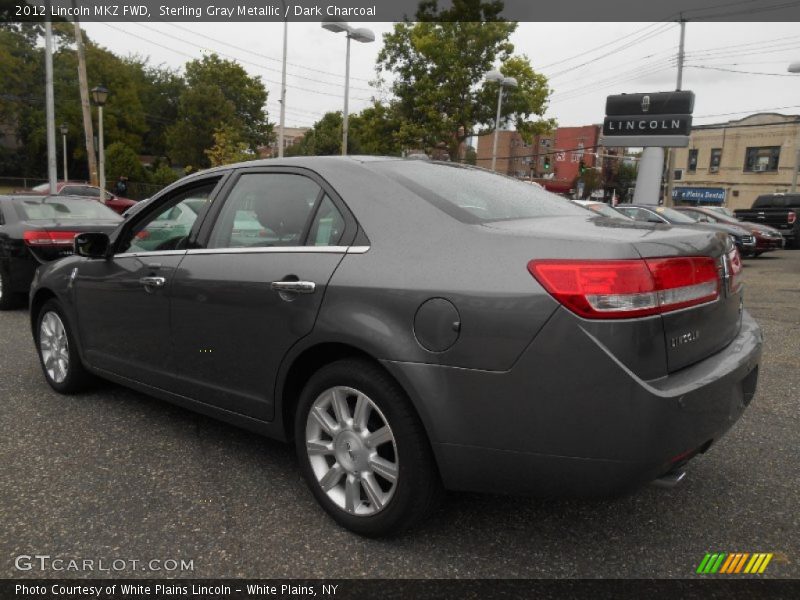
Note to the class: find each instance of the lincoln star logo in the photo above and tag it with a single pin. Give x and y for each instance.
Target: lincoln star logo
(684, 338)
(646, 104)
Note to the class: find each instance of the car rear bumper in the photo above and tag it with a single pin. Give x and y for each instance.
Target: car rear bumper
(569, 418)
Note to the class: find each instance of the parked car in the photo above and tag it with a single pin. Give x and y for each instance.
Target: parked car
(745, 241)
(76, 188)
(767, 238)
(38, 229)
(601, 208)
(414, 326)
(780, 211)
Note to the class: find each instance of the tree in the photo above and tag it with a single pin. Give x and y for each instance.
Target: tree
(374, 131)
(323, 139)
(229, 147)
(439, 64)
(219, 94)
(592, 180)
(121, 160)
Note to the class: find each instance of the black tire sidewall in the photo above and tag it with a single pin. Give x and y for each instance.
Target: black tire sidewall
(415, 464)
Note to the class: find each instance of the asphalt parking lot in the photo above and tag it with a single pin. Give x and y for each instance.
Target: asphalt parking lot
(114, 474)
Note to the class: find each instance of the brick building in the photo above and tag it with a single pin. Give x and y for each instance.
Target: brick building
(732, 163)
(515, 156)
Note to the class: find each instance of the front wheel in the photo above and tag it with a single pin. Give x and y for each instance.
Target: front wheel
(58, 353)
(363, 450)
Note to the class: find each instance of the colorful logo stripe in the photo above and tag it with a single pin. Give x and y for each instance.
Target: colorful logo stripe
(735, 562)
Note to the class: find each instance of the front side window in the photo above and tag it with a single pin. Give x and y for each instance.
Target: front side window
(691, 165)
(764, 158)
(266, 209)
(169, 227)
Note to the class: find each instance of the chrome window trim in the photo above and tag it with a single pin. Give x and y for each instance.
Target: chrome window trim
(283, 250)
(153, 253)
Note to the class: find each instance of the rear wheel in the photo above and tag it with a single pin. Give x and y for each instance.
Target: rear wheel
(363, 450)
(58, 353)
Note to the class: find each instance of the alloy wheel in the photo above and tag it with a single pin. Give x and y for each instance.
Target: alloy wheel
(352, 451)
(54, 347)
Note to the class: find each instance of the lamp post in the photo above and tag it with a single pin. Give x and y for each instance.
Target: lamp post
(99, 96)
(283, 82)
(360, 34)
(505, 82)
(795, 68)
(64, 131)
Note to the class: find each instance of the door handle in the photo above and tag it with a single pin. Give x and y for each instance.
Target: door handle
(153, 281)
(297, 287)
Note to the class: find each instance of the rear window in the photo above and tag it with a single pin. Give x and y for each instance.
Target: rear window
(59, 209)
(773, 201)
(473, 195)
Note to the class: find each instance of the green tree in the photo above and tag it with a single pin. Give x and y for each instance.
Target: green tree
(592, 180)
(163, 175)
(438, 64)
(374, 131)
(323, 139)
(121, 160)
(219, 94)
(229, 147)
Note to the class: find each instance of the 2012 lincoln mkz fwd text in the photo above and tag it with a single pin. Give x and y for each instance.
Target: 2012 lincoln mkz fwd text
(413, 326)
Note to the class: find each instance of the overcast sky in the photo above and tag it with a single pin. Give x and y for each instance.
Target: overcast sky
(584, 62)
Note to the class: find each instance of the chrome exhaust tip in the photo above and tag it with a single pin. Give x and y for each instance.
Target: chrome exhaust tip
(670, 480)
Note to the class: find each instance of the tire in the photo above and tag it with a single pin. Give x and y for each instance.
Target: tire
(379, 485)
(58, 353)
(8, 299)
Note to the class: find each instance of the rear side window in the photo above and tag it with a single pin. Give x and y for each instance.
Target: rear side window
(328, 225)
(474, 195)
(54, 208)
(266, 209)
(80, 190)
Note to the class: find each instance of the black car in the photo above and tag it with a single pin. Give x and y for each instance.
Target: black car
(38, 229)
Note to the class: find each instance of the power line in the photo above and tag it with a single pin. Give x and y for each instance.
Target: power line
(737, 71)
(320, 71)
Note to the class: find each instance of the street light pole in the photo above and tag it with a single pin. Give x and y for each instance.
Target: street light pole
(283, 82)
(52, 175)
(795, 68)
(64, 131)
(100, 95)
(362, 34)
(510, 82)
(346, 116)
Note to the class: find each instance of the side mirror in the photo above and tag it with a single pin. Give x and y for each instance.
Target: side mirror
(92, 245)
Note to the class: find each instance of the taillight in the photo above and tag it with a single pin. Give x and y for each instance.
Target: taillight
(791, 217)
(49, 238)
(622, 289)
(735, 262)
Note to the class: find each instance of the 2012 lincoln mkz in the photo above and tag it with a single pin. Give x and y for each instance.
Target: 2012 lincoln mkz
(412, 326)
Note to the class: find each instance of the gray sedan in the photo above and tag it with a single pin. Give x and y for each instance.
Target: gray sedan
(412, 327)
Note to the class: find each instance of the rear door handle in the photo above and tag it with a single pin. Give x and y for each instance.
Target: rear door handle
(153, 281)
(297, 287)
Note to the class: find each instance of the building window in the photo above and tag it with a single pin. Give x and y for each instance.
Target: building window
(716, 158)
(691, 165)
(677, 175)
(764, 158)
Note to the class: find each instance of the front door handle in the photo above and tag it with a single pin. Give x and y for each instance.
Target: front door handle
(296, 287)
(153, 281)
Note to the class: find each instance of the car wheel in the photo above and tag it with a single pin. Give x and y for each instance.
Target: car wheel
(8, 299)
(363, 450)
(58, 353)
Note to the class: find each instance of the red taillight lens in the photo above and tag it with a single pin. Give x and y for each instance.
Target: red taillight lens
(735, 262)
(791, 217)
(49, 238)
(621, 289)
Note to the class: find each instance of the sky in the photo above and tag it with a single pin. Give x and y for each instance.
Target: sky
(584, 63)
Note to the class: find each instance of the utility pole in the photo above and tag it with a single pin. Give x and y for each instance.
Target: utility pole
(671, 159)
(50, 101)
(83, 84)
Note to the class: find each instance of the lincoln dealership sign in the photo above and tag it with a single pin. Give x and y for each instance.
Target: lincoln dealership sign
(656, 119)
(653, 125)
